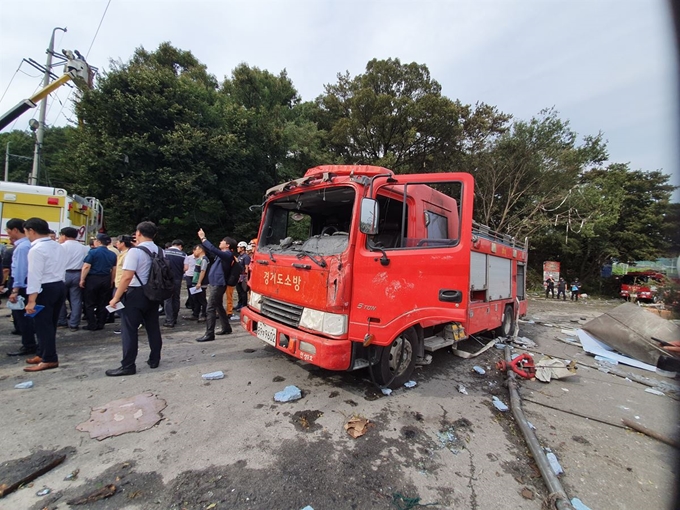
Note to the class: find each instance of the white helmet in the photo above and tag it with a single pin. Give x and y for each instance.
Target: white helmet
(242, 244)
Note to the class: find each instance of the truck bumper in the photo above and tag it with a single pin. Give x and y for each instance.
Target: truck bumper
(320, 351)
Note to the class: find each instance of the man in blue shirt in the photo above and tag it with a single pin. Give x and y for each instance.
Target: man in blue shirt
(96, 278)
(224, 257)
(23, 324)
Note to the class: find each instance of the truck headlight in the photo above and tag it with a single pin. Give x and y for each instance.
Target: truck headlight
(324, 322)
(254, 300)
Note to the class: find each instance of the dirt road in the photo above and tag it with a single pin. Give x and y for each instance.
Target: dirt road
(227, 444)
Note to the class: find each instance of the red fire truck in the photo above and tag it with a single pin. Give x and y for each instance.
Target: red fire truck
(642, 286)
(358, 267)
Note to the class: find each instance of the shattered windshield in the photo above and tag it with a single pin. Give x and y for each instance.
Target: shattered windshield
(310, 224)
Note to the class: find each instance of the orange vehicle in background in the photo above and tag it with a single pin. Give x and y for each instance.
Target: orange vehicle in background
(358, 267)
(642, 286)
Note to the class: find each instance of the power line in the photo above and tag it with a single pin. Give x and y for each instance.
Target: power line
(97, 32)
(10, 81)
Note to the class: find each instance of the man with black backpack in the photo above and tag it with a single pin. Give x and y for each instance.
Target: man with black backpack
(221, 274)
(145, 273)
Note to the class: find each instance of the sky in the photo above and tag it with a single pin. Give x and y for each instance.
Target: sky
(605, 66)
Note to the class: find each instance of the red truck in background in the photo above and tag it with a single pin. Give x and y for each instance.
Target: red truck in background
(358, 267)
(642, 286)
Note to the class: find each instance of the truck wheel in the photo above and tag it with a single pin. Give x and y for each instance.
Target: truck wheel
(397, 360)
(508, 324)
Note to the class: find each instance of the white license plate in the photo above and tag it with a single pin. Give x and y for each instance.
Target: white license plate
(266, 333)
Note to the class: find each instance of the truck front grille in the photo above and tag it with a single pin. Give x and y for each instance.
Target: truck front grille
(280, 311)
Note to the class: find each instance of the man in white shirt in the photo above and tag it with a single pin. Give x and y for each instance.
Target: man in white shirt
(138, 308)
(45, 287)
(75, 254)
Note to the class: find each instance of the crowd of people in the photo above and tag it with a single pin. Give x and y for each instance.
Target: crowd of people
(561, 284)
(55, 281)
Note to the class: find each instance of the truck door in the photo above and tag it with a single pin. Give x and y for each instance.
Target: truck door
(415, 269)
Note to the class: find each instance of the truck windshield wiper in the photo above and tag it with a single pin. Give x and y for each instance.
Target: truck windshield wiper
(321, 262)
(271, 256)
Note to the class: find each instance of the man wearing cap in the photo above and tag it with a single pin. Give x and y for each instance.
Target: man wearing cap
(96, 278)
(75, 255)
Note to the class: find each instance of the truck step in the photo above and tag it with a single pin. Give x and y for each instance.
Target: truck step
(434, 343)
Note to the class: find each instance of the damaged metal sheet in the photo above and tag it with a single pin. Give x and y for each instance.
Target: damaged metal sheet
(132, 414)
(628, 329)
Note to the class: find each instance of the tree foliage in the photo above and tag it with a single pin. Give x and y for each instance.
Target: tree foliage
(161, 139)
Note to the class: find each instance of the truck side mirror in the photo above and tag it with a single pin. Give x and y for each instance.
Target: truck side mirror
(368, 223)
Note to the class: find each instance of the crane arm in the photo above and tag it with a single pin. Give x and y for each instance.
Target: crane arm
(76, 70)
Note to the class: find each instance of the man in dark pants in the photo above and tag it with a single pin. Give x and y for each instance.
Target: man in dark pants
(75, 254)
(175, 257)
(15, 231)
(138, 308)
(224, 257)
(46, 269)
(96, 278)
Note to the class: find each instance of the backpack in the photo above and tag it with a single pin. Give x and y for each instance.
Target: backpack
(234, 273)
(160, 284)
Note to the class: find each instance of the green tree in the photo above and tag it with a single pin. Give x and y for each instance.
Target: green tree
(393, 115)
(526, 174)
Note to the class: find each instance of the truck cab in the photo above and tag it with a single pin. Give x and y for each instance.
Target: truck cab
(358, 267)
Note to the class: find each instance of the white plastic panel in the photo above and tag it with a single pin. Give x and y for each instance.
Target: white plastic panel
(500, 276)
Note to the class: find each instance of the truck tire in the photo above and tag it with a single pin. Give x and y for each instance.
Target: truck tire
(508, 325)
(390, 372)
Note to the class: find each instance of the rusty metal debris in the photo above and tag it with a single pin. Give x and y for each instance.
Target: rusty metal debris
(103, 493)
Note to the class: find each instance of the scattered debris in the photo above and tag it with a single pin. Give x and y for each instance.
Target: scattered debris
(524, 342)
(278, 378)
(386, 391)
(43, 492)
(305, 421)
(289, 394)
(73, 475)
(462, 389)
(103, 493)
(527, 493)
(357, 426)
(24, 385)
(606, 360)
(132, 414)
(548, 368)
(213, 376)
(570, 332)
(410, 384)
(554, 463)
(500, 345)
(15, 473)
(628, 329)
(401, 502)
(498, 404)
(593, 346)
(570, 341)
(467, 355)
(479, 370)
(333, 394)
(649, 432)
(578, 504)
(655, 392)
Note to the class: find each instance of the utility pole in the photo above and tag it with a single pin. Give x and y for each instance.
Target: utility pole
(7, 163)
(40, 132)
